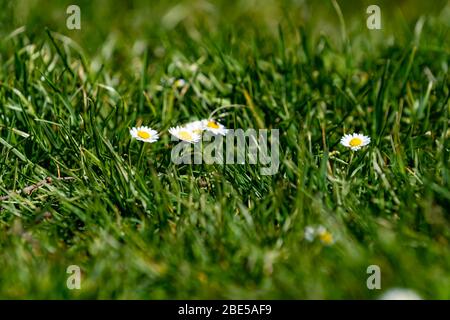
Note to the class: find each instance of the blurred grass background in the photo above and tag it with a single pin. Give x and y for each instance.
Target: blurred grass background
(141, 227)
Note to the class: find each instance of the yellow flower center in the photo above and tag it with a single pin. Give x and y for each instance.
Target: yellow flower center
(143, 134)
(184, 135)
(355, 142)
(213, 125)
(326, 237)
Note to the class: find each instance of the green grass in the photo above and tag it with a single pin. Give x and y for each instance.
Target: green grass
(141, 227)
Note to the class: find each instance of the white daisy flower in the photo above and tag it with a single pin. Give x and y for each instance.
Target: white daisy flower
(145, 134)
(400, 294)
(196, 126)
(214, 127)
(179, 83)
(355, 141)
(185, 134)
(321, 233)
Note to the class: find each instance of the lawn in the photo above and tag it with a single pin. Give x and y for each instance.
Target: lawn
(78, 190)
